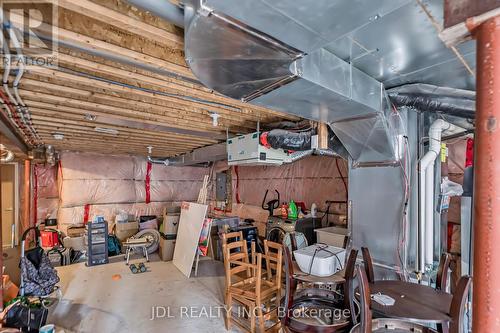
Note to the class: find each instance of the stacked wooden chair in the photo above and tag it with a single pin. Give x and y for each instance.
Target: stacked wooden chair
(252, 284)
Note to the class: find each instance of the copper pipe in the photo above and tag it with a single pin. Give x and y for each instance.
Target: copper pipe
(1, 248)
(26, 195)
(486, 299)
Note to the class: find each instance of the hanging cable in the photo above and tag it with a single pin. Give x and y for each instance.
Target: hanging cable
(343, 179)
(404, 165)
(13, 104)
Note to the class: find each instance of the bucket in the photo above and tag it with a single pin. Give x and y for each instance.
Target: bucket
(49, 238)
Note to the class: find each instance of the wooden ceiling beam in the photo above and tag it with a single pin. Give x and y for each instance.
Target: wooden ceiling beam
(105, 149)
(97, 86)
(42, 93)
(142, 108)
(156, 81)
(139, 125)
(108, 16)
(66, 112)
(61, 127)
(87, 42)
(44, 128)
(66, 126)
(77, 139)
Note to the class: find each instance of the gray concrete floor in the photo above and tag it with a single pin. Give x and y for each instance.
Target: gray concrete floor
(93, 302)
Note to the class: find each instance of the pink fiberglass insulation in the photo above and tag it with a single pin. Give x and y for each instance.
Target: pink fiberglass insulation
(47, 196)
(313, 179)
(110, 184)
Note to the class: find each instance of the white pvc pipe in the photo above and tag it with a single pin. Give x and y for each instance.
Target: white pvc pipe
(21, 65)
(429, 214)
(426, 234)
(6, 73)
(421, 234)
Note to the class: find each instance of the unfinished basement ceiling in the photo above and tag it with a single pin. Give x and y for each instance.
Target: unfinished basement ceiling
(162, 104)
(166, 108)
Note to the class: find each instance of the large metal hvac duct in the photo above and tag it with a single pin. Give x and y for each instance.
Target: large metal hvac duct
(241, 62)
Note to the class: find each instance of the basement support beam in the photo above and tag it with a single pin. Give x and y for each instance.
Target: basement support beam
(486, 295)
(12, 137)
(26, 196)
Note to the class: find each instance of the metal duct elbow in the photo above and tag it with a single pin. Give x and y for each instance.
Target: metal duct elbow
(154, 160)
(162, 8)
(5, 154)
(299, 155)
(326, 152)
(281, 139)
(50, 155)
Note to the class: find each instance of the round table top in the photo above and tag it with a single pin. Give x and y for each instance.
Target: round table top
(337, 278)
(414, 302)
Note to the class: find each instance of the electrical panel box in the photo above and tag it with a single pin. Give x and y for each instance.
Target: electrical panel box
(221, 186)
(246, 150)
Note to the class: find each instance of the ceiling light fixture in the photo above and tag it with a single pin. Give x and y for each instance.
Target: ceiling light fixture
(215, 119)
(58, 136)
(106, 130)
(90, 117)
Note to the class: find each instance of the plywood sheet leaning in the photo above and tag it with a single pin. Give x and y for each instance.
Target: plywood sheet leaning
(188, 235)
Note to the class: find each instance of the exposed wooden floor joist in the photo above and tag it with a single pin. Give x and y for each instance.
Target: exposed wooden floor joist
(162, 105)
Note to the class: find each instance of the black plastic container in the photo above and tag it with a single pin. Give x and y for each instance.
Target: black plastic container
(50, 222)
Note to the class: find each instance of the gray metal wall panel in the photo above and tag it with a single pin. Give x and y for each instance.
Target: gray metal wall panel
(377, 198)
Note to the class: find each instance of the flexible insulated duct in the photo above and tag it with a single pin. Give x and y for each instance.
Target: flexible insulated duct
(287, 140)
(426, 97)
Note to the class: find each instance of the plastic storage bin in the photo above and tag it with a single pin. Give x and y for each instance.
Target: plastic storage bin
(97, 241)
(326, 260)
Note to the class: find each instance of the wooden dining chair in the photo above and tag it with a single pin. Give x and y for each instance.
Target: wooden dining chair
(347, 287)
(442, 272)
(310, 310)
(255, 291)
(380, 325)
(238, 250)
(234, 248)
(229, 237)
(368, 264)
(457, 308)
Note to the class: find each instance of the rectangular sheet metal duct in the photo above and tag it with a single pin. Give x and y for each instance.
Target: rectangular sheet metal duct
(239, 61)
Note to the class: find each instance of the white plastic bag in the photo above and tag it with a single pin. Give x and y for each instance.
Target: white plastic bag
(451, 189)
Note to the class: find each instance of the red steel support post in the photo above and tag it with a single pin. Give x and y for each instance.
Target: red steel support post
(486, 299)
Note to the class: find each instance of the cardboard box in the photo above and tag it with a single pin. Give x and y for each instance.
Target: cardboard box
(76, 243)
(76, 231)
(126, 230)
(333, 236)
(167, 246)
(171, 217)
